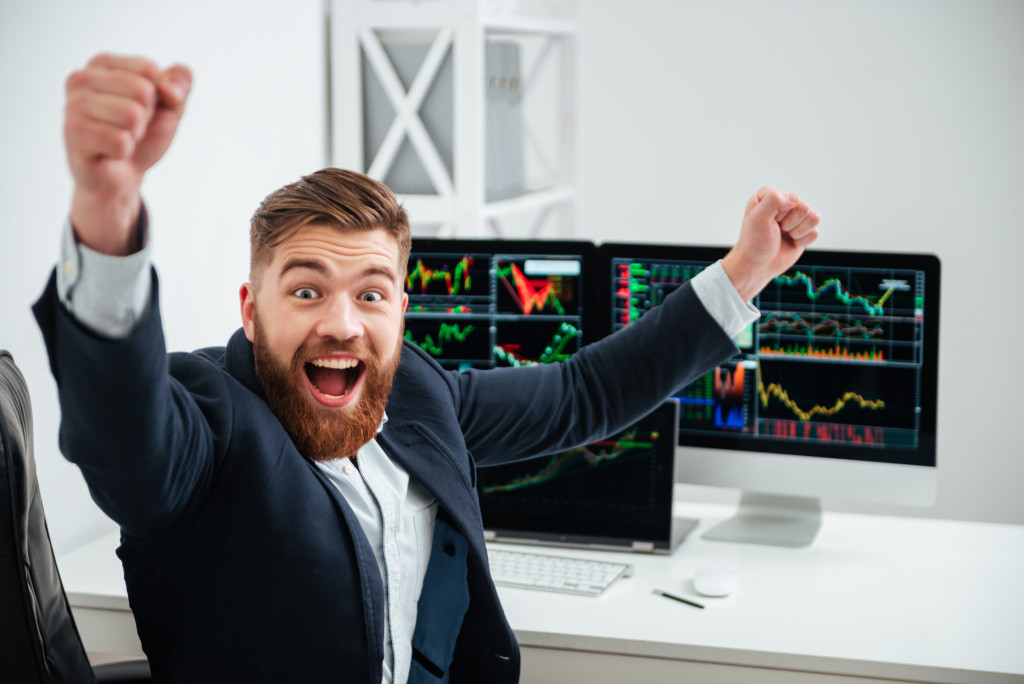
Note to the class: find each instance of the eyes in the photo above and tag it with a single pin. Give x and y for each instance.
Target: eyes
(309, 294)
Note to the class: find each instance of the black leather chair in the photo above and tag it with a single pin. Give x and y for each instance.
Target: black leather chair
(39, 641)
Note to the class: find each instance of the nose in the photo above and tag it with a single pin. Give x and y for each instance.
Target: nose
(340, 320)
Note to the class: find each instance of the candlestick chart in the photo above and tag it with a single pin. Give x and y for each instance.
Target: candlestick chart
(855, 315)
(529, 342)
(448, 283)
(640, 286)
(455, 343)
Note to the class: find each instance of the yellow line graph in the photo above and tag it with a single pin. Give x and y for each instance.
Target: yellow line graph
(885, 296)
(774, 389)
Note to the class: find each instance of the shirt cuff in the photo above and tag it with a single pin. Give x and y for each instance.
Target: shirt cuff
(718, 295)
(109, 295)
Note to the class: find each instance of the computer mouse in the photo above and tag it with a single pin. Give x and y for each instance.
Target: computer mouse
(714, 583)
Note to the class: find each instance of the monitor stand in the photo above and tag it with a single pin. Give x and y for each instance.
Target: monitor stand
(771, 519)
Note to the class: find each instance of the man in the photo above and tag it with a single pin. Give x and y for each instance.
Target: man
(299, 506)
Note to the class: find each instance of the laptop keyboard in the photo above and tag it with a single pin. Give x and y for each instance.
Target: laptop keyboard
(554, 573)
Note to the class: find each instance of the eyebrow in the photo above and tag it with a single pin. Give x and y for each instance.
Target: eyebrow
(321, 269)
(371, 271)
(304, 263)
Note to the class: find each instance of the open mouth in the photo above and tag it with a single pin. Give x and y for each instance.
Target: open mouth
(334, 378)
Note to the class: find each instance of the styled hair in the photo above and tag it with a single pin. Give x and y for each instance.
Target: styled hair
(333, 197)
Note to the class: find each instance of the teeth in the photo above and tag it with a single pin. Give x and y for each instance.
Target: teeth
(335, 363)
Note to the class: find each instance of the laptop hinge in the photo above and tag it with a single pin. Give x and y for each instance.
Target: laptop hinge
(646, 547)
(490, 535)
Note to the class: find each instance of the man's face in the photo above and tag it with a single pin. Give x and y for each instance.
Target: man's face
(326, 326)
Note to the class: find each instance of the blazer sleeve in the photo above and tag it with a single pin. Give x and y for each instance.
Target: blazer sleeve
(515, 413)
(139, 437)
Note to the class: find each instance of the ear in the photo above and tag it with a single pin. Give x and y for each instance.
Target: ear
(405, 301)
(247, 302)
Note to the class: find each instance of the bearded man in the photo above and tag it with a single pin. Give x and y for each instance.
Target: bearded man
(299, 505)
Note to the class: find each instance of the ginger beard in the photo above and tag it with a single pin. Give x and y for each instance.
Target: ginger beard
(322, 433)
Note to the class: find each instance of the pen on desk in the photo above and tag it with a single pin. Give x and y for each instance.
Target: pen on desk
(688, 602)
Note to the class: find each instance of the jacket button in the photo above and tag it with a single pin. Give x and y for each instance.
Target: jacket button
(449, 548)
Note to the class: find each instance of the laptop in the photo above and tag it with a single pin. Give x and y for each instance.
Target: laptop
(615, 494)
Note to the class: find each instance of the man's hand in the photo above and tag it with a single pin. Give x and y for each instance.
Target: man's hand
(777, 227)
(120, 118)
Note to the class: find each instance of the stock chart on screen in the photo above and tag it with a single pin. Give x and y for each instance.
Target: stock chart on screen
(835, 358)
(481, 304)
(612, 492)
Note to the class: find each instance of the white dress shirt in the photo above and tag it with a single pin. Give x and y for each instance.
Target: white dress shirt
(397, 515)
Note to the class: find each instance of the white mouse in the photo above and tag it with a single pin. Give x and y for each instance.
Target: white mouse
(714, 583)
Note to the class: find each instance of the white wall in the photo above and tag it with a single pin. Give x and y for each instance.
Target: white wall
(255, 121)
(898, 119)
(901, 121)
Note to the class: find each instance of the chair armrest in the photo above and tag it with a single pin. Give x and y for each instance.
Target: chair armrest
(123, 672)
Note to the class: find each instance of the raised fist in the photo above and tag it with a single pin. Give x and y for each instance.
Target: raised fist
(777, 227)
(120, 118)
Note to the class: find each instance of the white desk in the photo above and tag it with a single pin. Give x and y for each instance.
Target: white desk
(893, 598)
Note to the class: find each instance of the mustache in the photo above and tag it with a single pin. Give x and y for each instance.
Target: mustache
(310, 350)
(321, 347)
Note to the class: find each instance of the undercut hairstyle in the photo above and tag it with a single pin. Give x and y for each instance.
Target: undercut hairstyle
(334, 197)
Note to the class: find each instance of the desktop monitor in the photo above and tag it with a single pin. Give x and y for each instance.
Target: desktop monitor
(832, 393)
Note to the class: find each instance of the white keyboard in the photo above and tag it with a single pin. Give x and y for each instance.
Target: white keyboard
(554, 573)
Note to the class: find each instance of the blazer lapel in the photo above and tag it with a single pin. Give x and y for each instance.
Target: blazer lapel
(369, 574)
(436, 468)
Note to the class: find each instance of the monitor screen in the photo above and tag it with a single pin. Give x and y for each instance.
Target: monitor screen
(493, 303)
(615, 493)
(841, 365)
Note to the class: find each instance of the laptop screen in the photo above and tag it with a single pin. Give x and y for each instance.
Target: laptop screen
(615, 493)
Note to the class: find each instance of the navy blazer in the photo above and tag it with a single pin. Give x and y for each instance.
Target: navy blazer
(244, 563)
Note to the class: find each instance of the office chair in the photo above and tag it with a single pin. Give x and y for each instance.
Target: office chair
(39, 641)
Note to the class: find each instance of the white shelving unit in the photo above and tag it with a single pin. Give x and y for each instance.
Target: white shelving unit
(457, 32)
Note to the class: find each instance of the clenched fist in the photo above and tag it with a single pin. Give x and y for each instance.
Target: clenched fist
(777, 227)
(120, 118)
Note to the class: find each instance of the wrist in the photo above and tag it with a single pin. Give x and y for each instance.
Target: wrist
(107, 224)
(744, 274)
